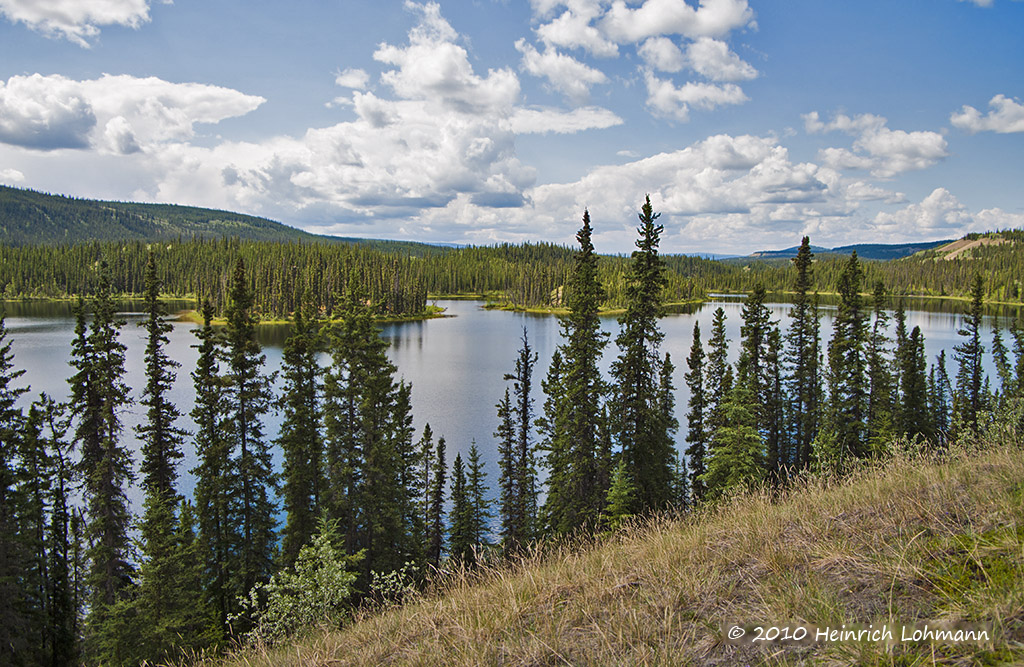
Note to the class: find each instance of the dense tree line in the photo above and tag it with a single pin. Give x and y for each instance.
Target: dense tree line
(370, 509)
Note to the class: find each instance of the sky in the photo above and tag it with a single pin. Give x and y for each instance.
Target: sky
(750, 123)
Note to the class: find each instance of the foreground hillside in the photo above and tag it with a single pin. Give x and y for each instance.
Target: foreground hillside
(912, 542)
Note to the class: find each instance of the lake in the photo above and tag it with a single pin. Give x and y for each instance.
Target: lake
(456, 364)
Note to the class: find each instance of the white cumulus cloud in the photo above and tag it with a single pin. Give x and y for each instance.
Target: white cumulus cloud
(713, 59)
(115, 113)
(662, 54)
(1006, 115)
(665, 99)
(878, 149)
(543, 121)
(433, 65)
(574, 28)
(75, 20)
(711, 18)
(563, 72)
(354, 78)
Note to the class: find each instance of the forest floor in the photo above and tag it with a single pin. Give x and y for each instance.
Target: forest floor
(920, 540)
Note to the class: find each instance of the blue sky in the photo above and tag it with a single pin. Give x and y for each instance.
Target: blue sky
(750, 123)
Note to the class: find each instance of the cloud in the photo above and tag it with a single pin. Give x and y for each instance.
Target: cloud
(354, 78)
(573, 29)
(119, 114)
(433, 66)
(883, 152)
(661, 53)
(45, 113)
(543, 121)
(1006, 115)
(75, 20)
(713, 59)
(711, 18)
(938, 214)
(665, 99)
(11, 176)
(564, 73)
(941, 214)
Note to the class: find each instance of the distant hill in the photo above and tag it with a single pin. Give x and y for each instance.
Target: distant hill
(28, 217)
(881, 251)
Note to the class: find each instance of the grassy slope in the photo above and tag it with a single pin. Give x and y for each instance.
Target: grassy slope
(909, 541)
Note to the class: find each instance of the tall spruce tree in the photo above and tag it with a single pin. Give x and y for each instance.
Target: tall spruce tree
(15, 609)
(63, 610)
(697, 431)
(914, 399)
(802, 351)
(515, 449)
(301, 437)
(848, 391)
(776, 434)
(578, 476)
(98, 396)
(479, 506)
(638, 420)
(216, 480)
(969, 399)
(435, 525)
(161, 448)
(460, 543)
(719, 373)
(881, 389)
(247, 396)
(369, 445)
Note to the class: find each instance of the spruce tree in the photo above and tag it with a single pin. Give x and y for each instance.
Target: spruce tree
(161, 448)
(970, 376)
(460, 543)
(777, 444)
(621, 497)
(368, 443)
(737, 451)
(719, 373)
(300, 437)
(435, 526)
(161, 438)
(914, 401)
(247, 396)
(479, 512)
(697, 433)
(15, 612)
(63, 611)
(216, 480)
(848, 391)
(98, 395)
(639, 423)
(578, 477)
(511, 528)
(802, 351)
(515, 448)
(881, 389)
(939, 398)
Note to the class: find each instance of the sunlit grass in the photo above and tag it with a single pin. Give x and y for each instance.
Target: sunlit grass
(914, 539)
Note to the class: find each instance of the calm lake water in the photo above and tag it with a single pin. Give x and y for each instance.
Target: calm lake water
(455, 364)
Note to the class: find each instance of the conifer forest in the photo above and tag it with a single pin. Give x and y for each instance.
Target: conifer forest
(365, 508)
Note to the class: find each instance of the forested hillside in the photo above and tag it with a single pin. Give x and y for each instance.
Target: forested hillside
(944, 271)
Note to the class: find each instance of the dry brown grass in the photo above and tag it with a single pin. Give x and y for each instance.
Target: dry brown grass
(914, 539)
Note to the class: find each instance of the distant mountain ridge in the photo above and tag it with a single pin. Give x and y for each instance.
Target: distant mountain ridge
(881, 251)
(28, 217)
